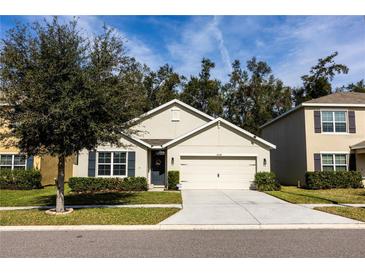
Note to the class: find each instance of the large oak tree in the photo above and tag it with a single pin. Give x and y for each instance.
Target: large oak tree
(63, 92)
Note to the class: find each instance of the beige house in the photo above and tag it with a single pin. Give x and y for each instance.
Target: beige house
(326, 133)
(210, 153)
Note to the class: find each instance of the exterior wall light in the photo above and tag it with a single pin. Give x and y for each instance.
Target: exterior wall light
(264, 161)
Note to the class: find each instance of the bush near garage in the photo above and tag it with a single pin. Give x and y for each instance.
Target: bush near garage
(266, 181)
(333, 179)
(92, 184)
(20, 179)
(173, 179)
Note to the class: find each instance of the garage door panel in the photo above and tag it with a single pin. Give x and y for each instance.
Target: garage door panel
(202, 172)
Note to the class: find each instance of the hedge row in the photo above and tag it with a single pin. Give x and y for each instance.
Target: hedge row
(333, 179)
(20, 179)
(92, 184)
(173, 179)
(266, 181)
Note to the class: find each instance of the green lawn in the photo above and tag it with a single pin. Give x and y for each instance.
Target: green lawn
(296, 195)
(90, 216)
(349, 212)
(47, 196)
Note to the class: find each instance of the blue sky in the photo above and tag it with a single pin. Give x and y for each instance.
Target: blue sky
(290, 44)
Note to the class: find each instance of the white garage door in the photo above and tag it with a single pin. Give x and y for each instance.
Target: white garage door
(210, 172)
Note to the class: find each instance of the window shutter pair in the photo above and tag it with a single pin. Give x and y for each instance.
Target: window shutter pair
(131, 164)
(351, 121)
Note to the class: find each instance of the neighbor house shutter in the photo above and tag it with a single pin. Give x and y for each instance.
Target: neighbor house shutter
(352, 162)
(92, 163)
(131, 164)
(317, 121)
(352, 123)
(317, 162)
(30, 161)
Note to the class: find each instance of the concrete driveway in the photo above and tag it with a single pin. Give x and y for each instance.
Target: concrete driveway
(245, 207)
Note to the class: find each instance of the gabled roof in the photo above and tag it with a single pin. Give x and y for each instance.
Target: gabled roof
(156, 142)
(338, 99)
(353, 98)
(258, 139)
(175, 101)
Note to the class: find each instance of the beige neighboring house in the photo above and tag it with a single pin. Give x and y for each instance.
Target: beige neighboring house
(210, 153)
(327, 133)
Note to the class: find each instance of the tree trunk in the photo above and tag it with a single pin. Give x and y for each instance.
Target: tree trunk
(60, 200)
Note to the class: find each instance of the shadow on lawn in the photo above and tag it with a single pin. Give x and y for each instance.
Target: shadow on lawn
(119, 198)
(311, 196)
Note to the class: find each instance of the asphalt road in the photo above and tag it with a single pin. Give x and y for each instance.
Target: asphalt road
(243, 243)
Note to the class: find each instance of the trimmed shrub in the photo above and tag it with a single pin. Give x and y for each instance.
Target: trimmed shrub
(20, 179)
(333, 179)
(92, 184)
(173, 179)
(266, 181)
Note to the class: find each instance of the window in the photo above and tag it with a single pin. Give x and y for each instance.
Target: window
(175, 115)
(112, 163)
(12, 161)
(334, 121)
(334, 162)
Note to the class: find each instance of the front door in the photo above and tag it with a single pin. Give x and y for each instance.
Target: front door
(158, 167)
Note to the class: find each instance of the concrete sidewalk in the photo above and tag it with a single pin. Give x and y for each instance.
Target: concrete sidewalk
(357, 225)
(94, 206)
(245, 207)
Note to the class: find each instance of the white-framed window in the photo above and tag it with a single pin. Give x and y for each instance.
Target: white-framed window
(334, 121)
(112, 163)
(175, 115)
(334, 162)
(13, 161)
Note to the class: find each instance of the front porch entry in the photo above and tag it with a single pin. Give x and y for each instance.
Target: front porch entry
(158, 167)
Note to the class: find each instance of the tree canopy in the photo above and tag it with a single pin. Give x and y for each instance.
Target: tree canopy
(318, 82)
(64, 93)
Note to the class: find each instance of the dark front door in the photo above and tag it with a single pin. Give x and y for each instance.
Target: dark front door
(158, 167)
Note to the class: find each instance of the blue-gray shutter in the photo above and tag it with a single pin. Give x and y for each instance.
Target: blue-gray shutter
(352, 123)
(30, 161)
(131, 164)
(92, 163)
(317, 162)
(317, 121)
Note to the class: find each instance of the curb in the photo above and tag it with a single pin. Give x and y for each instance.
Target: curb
(179, 227)
(94, 206)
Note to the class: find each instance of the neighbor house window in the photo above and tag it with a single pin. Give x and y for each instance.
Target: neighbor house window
(334, 162)
(12, 161)
(112, 163)
(334, 121)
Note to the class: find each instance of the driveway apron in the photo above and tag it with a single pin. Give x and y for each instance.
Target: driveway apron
(245, 207)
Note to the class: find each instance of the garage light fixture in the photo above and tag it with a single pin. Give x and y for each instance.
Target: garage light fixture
(264, 161)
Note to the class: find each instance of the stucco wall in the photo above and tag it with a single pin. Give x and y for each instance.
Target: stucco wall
(160, 126)
(49, 166)
(218, 140)
(288, 160)
(81, 169)
(332, 142)
(46, 164)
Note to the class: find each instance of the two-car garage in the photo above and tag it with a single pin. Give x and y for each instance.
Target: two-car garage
(217, 172)
(218, 155)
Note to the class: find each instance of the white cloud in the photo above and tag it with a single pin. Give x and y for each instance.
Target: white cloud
(201, 37)
(315, 37)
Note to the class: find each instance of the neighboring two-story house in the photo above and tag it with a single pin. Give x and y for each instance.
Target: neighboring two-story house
(327, 133)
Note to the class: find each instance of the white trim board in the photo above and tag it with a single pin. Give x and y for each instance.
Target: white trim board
(175, 101)
(220, 120)
(218, 155)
